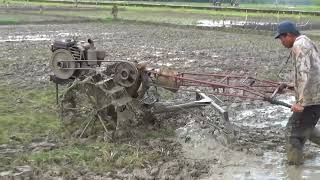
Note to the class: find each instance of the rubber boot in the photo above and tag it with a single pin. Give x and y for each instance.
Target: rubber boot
(294, 151)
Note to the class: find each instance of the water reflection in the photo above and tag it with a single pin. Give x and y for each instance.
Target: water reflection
(233, 23)
(273, 167)
(257, 25)
(266, 116)
(303, 172)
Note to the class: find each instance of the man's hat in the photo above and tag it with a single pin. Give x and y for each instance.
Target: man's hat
(287, 27)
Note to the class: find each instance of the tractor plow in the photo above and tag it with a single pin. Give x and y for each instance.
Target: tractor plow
(118, 94)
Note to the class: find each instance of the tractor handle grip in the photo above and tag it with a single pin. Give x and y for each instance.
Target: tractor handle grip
(277, 102)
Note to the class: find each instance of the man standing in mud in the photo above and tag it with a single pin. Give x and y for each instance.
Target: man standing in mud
(306, 110)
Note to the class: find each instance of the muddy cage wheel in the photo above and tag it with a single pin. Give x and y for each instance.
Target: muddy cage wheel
(86, 110)
(95, 107)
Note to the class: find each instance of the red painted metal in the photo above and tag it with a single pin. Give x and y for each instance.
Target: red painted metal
(241, 86)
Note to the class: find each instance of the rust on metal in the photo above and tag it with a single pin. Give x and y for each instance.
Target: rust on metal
(115, 92)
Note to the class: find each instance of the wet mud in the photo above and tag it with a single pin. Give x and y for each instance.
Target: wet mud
(199, 150)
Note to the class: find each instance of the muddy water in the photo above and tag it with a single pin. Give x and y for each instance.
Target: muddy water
(263, 116)
(271, 26)
(254, 162)
(230, 23)
(272, 164)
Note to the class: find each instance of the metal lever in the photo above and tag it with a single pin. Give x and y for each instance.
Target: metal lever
(204, 100)
(277, 102)
(223, 112)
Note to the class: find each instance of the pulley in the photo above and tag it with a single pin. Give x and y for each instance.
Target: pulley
(59, 65)
(126, 74)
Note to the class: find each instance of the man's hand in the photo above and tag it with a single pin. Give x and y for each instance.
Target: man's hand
(297, 108)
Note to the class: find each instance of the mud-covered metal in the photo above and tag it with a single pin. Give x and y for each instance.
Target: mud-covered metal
(96, 106)
(62, 70)
(72, 59)
(116, 95)
(126, 74)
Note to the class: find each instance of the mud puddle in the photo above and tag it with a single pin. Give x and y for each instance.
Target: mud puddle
(264, 123)
(270, 26)
(237, 24)
(265, 116)
(272, 163)
(273, 166)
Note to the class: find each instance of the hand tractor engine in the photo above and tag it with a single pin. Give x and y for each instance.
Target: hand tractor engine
(118, 95)
(72, 59)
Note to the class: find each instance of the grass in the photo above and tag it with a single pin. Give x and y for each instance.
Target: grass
(174, 16)
(206, 4)
(282, 7)
(156, 14)
(30, 116)
(178, 16)
(96, 157)
(161, 133)
(43, 3)
(25, 115)
(8, 22)
(10, 18)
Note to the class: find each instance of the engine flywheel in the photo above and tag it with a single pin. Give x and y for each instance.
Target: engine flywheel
(63, 70)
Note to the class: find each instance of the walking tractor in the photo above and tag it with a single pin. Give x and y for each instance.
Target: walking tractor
(115, 95)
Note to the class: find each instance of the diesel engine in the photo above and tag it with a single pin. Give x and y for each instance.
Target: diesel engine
(72, 58)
